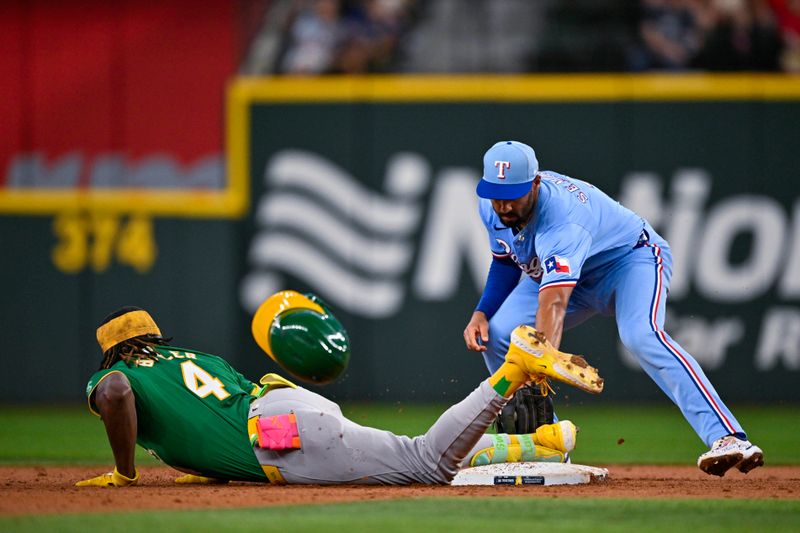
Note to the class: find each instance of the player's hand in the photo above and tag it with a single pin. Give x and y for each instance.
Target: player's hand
(476, 335)
(191, 479)
(111, 479)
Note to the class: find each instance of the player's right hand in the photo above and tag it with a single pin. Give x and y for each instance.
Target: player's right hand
(476, 335)
(112, 479)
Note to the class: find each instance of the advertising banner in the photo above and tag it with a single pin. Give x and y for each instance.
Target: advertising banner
(364, 192)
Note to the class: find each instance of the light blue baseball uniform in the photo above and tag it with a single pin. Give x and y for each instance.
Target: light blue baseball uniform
(618, 265)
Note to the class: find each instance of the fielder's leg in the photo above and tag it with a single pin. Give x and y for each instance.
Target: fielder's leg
(518, 308)
(641, 284)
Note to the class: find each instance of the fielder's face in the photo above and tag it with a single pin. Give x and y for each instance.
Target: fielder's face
(516, 213)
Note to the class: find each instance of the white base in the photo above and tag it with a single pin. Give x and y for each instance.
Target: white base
(530, 474)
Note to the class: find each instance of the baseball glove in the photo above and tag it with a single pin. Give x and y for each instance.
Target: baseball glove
(527, 410)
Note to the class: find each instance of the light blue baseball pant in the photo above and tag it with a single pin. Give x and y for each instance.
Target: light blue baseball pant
(634, 289)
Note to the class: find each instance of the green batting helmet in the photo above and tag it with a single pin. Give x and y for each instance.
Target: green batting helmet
(301, 334)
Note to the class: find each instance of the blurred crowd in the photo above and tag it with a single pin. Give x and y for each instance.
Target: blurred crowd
(361, 36)
(718, 35)
(342, 36)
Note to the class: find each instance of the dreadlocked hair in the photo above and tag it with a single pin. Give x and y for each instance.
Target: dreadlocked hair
(132, 350)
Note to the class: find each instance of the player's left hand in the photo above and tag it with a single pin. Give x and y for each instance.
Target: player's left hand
(111, 479)
(191, 479)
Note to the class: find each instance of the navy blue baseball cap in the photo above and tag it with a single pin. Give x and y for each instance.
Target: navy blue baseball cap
(509, 168)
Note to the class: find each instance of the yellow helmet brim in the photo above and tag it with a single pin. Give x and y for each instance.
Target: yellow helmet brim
(271, 308)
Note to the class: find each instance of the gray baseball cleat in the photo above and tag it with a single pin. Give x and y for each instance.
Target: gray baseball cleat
(729, 452)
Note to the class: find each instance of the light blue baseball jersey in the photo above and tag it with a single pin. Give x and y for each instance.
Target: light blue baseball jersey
(576, 229)
(587, 240)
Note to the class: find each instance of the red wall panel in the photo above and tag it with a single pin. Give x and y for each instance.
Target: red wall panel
(96, 78)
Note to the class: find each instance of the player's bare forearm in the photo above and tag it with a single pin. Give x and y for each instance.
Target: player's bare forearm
(116, 404)
(552, 310)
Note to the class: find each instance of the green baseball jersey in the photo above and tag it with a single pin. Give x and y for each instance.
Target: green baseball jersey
(192, 411)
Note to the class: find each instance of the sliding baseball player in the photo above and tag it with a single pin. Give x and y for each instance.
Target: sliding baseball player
(194, 412)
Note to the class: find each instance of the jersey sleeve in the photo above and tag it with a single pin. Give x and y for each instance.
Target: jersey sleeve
(487, 217)
(563, 249)
(246, 384)
(94, 381)
(503, 277)
(241, 381)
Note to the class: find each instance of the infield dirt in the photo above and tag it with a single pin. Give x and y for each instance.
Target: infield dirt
(50, 489)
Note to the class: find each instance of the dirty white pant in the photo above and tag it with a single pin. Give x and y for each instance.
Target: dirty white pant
(337, 450)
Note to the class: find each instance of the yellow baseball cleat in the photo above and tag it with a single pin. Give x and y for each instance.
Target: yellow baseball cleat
(531, 351)
(560, 436)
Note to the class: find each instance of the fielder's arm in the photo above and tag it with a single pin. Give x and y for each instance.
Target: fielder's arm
(116, 404)
(552, 310)
(503, 277)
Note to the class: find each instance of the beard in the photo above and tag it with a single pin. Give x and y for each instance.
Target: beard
(515, 219)
(510, 220)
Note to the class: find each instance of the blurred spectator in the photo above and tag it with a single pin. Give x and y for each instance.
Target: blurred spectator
(372, 30)
(743, 36)
(362, 36)
(475, 36)
(329, 36)
(671, 32)
(585, 35)
(313, 39)
(788, 15)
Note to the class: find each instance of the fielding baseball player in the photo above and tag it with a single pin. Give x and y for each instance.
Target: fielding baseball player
(583, 253)
(196, 413)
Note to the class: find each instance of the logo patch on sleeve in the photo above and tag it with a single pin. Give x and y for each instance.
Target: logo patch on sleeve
(559, 265)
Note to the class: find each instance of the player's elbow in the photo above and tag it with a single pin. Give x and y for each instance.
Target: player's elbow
(113, 392)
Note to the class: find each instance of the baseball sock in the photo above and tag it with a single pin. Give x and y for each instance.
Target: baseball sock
(507, 379)
(515, 449)
(547, 435)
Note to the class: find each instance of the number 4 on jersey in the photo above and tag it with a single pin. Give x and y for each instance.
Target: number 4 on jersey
(201, 382)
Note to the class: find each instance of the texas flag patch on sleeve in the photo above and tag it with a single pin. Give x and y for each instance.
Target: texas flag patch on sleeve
(559, 265)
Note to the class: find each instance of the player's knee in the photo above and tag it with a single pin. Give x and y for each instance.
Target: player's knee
(435, 467)
(499, 334)
(443, 474)
(636, 339)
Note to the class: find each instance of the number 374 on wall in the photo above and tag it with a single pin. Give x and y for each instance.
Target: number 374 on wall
(93, 240)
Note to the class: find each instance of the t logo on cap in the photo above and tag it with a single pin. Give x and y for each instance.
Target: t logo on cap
(509, 168)
(502, 165)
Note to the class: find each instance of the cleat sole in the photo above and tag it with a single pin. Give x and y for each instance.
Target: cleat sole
(717, 466)
(754, 461)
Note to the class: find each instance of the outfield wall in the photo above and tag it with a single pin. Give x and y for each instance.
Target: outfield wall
(362, 190)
